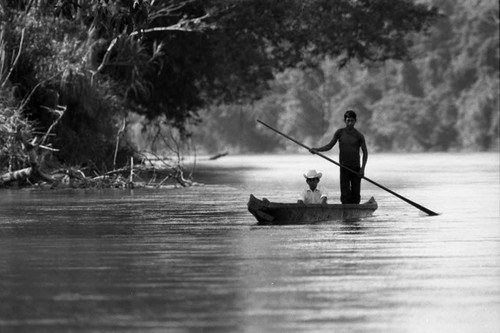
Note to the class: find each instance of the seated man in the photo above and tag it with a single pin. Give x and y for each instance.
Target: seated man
(313, 194)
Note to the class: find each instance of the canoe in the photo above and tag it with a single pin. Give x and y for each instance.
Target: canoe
(267, 212)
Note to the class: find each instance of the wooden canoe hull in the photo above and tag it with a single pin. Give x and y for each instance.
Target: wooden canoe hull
(267, 212)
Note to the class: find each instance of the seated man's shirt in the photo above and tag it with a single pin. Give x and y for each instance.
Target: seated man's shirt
(310, 197)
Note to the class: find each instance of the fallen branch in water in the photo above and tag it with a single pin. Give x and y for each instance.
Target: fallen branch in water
(120, 178)
(34, 173)
(218, 156)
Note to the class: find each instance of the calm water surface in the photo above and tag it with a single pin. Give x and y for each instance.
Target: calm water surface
(193, 260)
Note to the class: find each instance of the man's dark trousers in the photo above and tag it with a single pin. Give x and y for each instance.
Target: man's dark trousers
(350, 186)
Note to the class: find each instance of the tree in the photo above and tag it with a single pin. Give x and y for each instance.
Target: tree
(174, 58)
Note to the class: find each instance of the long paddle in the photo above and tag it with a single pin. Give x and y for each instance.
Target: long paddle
(414, 204)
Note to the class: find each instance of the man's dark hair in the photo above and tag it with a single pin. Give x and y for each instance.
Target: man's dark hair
(350, 114)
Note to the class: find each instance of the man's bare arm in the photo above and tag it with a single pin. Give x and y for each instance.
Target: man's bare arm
(365, 158)
(326, 147)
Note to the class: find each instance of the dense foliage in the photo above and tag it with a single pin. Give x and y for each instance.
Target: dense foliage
(445, 98)
(166, 60)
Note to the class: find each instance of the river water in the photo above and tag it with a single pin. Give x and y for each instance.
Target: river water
(193, 259)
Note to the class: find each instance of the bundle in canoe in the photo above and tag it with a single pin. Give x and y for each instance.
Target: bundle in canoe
(267, 212)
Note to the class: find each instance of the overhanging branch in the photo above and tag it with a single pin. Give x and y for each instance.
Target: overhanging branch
(188, 25)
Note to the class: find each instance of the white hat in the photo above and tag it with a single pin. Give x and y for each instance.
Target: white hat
(313, 174)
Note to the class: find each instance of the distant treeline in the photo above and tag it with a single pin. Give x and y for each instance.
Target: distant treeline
(445, 99)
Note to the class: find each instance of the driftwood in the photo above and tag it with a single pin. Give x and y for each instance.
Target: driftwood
(34, 171)
(126, 177)
(218, 156)
(24, 174)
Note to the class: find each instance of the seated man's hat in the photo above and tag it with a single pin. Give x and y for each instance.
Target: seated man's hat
(313, 174)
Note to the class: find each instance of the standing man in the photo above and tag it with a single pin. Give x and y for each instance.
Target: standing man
(350, 141)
